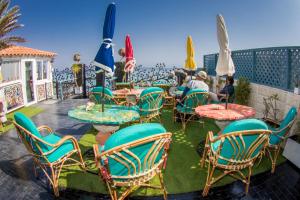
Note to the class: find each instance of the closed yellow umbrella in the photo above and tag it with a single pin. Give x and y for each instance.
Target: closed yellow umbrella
(190, 63)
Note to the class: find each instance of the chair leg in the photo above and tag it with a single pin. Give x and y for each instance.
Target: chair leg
(248, 179)
(174, 115)
(54, 181)
(273, 157)
(208, 180)
(115, 195)
(202, 162)
(183, 121)
(34, 168)
(274, 160)
(2, 127)
(162, 185)
(82, 165)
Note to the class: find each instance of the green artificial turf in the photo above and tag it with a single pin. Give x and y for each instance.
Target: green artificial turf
(28, 111)
(183, 172)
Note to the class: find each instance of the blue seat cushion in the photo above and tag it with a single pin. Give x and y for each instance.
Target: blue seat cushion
(146, 101)
(61, 151)
(290, 116)
(151, 89)
(98, 95)
(191, 102)
(29, 125)
(130, 134)
(241, 125)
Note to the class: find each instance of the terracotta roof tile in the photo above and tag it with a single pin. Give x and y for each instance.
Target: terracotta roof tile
(24, 51)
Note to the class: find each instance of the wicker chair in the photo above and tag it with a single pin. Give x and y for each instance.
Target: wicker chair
(185, 109)
(150, 104)
(97, 96)
(131, 157)
(51, 151)
(237, 148)
(280, 132)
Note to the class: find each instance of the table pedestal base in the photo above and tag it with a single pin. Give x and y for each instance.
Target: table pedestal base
(222, 124)
(104, 132)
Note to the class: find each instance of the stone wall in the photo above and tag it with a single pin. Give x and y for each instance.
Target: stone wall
(286, 99)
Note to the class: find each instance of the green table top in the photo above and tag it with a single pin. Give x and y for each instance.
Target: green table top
(112, 115)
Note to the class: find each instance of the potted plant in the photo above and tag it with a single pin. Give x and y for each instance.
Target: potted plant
(242, 91)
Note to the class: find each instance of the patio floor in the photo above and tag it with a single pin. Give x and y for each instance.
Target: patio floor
(17, 180)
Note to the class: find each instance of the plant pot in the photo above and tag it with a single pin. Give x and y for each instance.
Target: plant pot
(296, 90)
(292, 151)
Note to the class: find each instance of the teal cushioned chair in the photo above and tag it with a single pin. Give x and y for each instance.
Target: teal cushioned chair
(180, 88)
(96, 96)
(150, 104)
(185, 109)
(280, 134)
(132, 156)
(236, 148)
(50, 151)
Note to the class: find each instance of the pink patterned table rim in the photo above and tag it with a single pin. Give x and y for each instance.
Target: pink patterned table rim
(125, 92)
(219, 112)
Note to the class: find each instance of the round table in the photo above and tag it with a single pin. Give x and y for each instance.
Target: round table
(105, 122)
(223, 115)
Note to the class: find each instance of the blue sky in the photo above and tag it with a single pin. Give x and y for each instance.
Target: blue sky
(158, 28)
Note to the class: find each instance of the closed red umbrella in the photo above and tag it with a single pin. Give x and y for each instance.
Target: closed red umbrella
(130, 60)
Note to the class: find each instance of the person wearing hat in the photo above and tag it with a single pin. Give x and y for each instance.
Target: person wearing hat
(196, 84)
(199, 82)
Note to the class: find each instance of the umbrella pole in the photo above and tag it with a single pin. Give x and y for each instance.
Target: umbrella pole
(103, 86)
(227, 95)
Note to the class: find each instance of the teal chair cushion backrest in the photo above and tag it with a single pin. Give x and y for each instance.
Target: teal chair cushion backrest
(150, 101)
(192, 101)
(130, 134)
(98, 95)
(230, 149)
(181, 88)
(290, 116)
(28, 124)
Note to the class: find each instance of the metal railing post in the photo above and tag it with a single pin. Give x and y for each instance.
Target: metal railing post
(84, 95)
(289, 68)
(253, 78)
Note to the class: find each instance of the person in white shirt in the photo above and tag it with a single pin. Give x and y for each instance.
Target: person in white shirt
(199, 82)
(196, 84)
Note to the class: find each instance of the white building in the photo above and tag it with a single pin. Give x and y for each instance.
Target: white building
(25, 76)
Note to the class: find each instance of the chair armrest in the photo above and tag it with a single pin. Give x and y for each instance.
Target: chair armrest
(46, 128)
(66, 138)
(211, 136)
(61, 142)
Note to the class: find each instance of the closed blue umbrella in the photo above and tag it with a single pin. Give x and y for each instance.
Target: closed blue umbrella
(104, 59)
